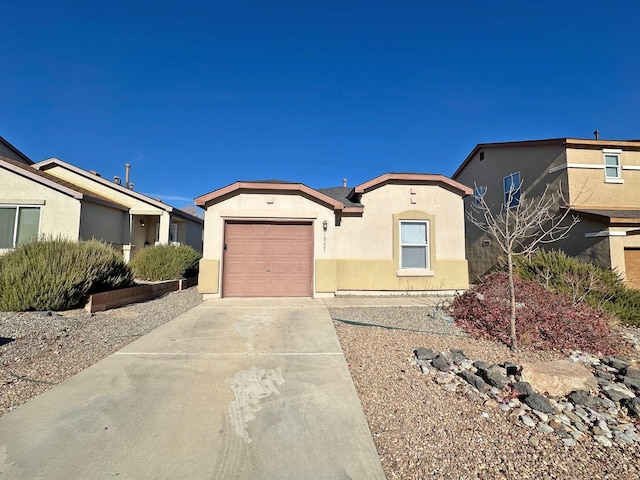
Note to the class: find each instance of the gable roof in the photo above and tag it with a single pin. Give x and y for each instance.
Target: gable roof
(276, 187)
(565, 142)
(342, 195)
(48, 180)
(413, 179)
(17, 152)
(55, 162)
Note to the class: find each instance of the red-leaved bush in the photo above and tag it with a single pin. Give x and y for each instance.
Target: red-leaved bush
(544, 320)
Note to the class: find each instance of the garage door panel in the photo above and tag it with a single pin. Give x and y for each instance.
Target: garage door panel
(268, 259)
(632, 267)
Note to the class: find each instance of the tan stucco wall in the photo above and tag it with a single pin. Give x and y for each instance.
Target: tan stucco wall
(597, 192)
(60, 213)
(103, 223)
(191, 230)
(362, 253)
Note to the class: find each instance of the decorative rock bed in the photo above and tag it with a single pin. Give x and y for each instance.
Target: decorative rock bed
(602, 404)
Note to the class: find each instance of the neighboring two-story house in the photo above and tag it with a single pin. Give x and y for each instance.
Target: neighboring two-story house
(600, 180)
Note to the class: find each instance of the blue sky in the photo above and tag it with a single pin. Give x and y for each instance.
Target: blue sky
(199, 94)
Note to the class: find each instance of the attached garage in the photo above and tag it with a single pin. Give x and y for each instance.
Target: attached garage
(267, 259)
(632, 267)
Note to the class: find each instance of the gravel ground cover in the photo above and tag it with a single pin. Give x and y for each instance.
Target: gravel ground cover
(40, 349)
(424, 432)
(421, 431)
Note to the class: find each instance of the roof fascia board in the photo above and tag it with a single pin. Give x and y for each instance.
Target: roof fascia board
(412, 178)
(269, 187)
(53, 162)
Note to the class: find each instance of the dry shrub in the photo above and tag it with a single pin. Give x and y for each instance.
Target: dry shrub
(545, 320)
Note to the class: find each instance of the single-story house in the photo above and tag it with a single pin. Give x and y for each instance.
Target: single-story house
(399, 233)
(147, 221)
(54, 198)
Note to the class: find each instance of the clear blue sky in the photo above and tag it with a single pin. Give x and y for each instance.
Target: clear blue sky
(199, 94)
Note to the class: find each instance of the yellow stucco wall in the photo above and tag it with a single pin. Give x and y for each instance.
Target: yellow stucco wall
(208, 276)
(60, 213)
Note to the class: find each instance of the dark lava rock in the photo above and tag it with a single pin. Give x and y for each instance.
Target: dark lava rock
(582, 397)
(615, 362)
(522, 388)
(474, 380)
(631, 382)
(539, 402)
(631, 372)
(632, 405)
(493, 376)
(457, 356)
(425, 354)
(442, 363)
(605, 375)
(479, 364)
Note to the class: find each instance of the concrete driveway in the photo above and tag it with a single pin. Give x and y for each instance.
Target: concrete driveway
(232, 389)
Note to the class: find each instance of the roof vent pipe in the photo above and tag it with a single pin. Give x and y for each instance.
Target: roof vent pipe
(127, 168)
(344, 182)
(597, 134)
(116, 179)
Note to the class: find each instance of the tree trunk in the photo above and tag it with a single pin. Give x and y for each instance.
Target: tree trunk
(512, 298)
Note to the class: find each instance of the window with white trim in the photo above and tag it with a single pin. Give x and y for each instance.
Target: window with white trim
(414, 244)
(511, 185)
(612, 169)
(18, 224)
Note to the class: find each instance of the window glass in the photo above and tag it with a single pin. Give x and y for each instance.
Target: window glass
(512, 190)
(414, 257)
(28, 223)
(414, 244)
(7, 224)
(413, 233)
(612, 165)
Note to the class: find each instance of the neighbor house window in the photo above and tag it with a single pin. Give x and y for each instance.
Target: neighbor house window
(512, 190)
(414, 244)
(612, 164)
(18, 224)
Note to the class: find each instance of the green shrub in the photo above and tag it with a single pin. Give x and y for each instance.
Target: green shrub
(583, 282)
(165, 262)
(59, 274)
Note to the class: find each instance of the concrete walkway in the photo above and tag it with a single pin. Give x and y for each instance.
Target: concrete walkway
(232, 389)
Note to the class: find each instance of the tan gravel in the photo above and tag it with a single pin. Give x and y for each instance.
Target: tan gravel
(421, 431)
(424, 432)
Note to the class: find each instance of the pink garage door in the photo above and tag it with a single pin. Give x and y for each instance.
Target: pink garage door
(267, 260)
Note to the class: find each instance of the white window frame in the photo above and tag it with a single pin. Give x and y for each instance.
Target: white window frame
(17, 219)
(425, 245)
(617, 178)
(173, 234)
(512, 196)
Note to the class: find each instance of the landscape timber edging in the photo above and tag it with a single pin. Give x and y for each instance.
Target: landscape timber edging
(99, 302)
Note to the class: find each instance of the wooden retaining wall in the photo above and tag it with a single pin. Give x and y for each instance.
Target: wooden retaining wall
(99, 302)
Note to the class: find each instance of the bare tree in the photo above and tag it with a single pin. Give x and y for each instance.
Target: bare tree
(193, 210)
(521, 226)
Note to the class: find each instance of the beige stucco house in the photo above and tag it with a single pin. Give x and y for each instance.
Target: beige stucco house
(34, 203)
(397, 233)
(146, 221)
(599, 178)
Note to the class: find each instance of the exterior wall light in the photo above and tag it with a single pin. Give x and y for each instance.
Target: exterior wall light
(142, 222)
(324, 226)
